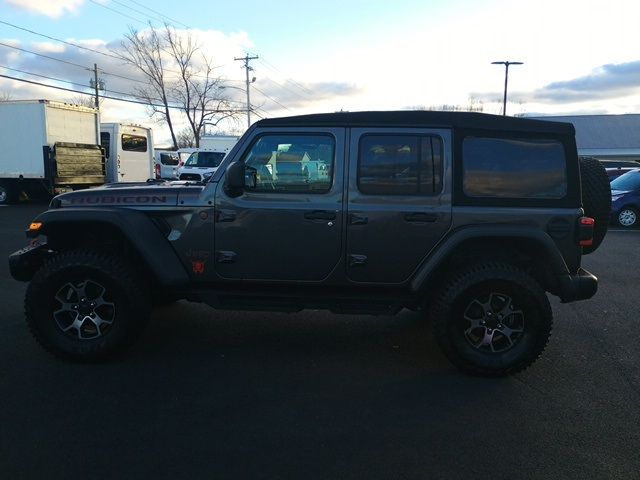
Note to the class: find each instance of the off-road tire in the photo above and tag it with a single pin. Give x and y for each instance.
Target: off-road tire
(453, 302)
(596, 199)
(128, 303)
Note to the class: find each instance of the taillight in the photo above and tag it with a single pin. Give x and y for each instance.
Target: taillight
(157, 169)
(585, 231)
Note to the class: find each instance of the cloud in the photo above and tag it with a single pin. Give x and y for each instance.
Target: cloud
(49, 8)
(605, 82)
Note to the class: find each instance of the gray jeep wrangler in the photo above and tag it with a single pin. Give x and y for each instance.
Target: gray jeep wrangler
(472, 218)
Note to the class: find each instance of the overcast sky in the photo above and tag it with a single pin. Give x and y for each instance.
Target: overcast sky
(579, 56)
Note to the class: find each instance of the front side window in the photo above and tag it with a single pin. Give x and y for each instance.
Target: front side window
(204, 159)
(134, 143)
(400, 165)
(292, 163)
(514, 168)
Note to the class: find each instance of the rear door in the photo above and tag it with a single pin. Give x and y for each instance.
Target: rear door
(133, 154)
(399, 202)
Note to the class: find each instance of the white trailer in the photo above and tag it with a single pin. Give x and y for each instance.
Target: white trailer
(129, 152)
(46, 146)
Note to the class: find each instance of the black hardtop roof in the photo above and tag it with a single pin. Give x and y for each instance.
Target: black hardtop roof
(419, 118)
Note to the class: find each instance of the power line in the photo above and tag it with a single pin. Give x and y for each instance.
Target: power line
(42, 55)
(161, 14)
(105, 96)
(304, 97)
(273, 67)
(69, 63)
(271, 98)
(117, 11)
(135, 10)
(61, 41)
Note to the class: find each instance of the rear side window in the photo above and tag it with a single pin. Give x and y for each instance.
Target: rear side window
(134, 143)
(169, 159)
(400, 165)
(514, 168)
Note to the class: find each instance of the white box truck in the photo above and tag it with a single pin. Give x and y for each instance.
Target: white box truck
(128, 149)
(47, 146)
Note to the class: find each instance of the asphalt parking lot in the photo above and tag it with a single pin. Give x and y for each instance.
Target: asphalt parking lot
(210, 394)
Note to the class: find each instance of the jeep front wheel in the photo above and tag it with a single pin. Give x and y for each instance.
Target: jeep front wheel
(492, 319)
(86, 305)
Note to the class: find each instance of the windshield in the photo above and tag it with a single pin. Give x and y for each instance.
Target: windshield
(204, 159)
(628, 181)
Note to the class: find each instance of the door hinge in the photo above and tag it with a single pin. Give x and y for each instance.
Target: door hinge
(225, 256)
(225, 215)
(355, 260)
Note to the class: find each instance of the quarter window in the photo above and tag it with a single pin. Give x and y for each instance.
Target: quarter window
(292, 163)
(400, 165)
(514, 168)
(134, 143)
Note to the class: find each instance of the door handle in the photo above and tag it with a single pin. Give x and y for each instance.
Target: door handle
(421, 217)
(320, 215)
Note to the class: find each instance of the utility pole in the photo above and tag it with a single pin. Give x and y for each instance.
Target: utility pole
(506, 80)
(96, 84)
(247, 68)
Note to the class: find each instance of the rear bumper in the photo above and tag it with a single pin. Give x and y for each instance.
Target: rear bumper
(24, 263)
(581, 286)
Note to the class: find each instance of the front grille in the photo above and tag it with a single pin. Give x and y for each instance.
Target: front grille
(190, 176)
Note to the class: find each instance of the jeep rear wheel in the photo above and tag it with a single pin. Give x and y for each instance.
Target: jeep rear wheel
(86, 305)
(492, 319)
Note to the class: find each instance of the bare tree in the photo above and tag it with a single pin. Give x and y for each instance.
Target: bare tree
(144, 50)
(5, 97)
(85, 101)
(180, 77)
(198, 92)
(186, 138)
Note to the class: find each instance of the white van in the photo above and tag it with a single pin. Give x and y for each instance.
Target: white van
(128, 151)
(166, 164)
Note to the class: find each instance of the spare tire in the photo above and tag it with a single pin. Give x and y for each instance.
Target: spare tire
(596, 198)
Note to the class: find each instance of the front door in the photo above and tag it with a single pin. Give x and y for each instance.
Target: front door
(399, 203)
(289, 227)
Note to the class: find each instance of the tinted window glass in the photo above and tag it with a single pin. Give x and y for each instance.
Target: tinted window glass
(514, 168)
(169, 159)
(105, 139)
(400, 165)
(134, 143)
(204, 159)
(292, 163)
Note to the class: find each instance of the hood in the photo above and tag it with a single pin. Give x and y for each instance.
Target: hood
(147, 194)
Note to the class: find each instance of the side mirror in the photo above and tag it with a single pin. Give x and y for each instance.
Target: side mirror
(238, 177)
(234, 176)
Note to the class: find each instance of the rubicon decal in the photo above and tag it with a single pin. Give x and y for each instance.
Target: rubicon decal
(111, 199)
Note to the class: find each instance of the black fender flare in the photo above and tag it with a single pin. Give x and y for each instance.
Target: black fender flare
(451, 242)
(136, 227)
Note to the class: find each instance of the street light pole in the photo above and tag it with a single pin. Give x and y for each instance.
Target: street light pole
(506, 81)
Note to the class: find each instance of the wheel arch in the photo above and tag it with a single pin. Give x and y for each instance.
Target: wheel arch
(128, 232)
(526, 247)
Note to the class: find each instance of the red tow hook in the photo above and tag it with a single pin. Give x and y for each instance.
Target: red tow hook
(585, 231)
